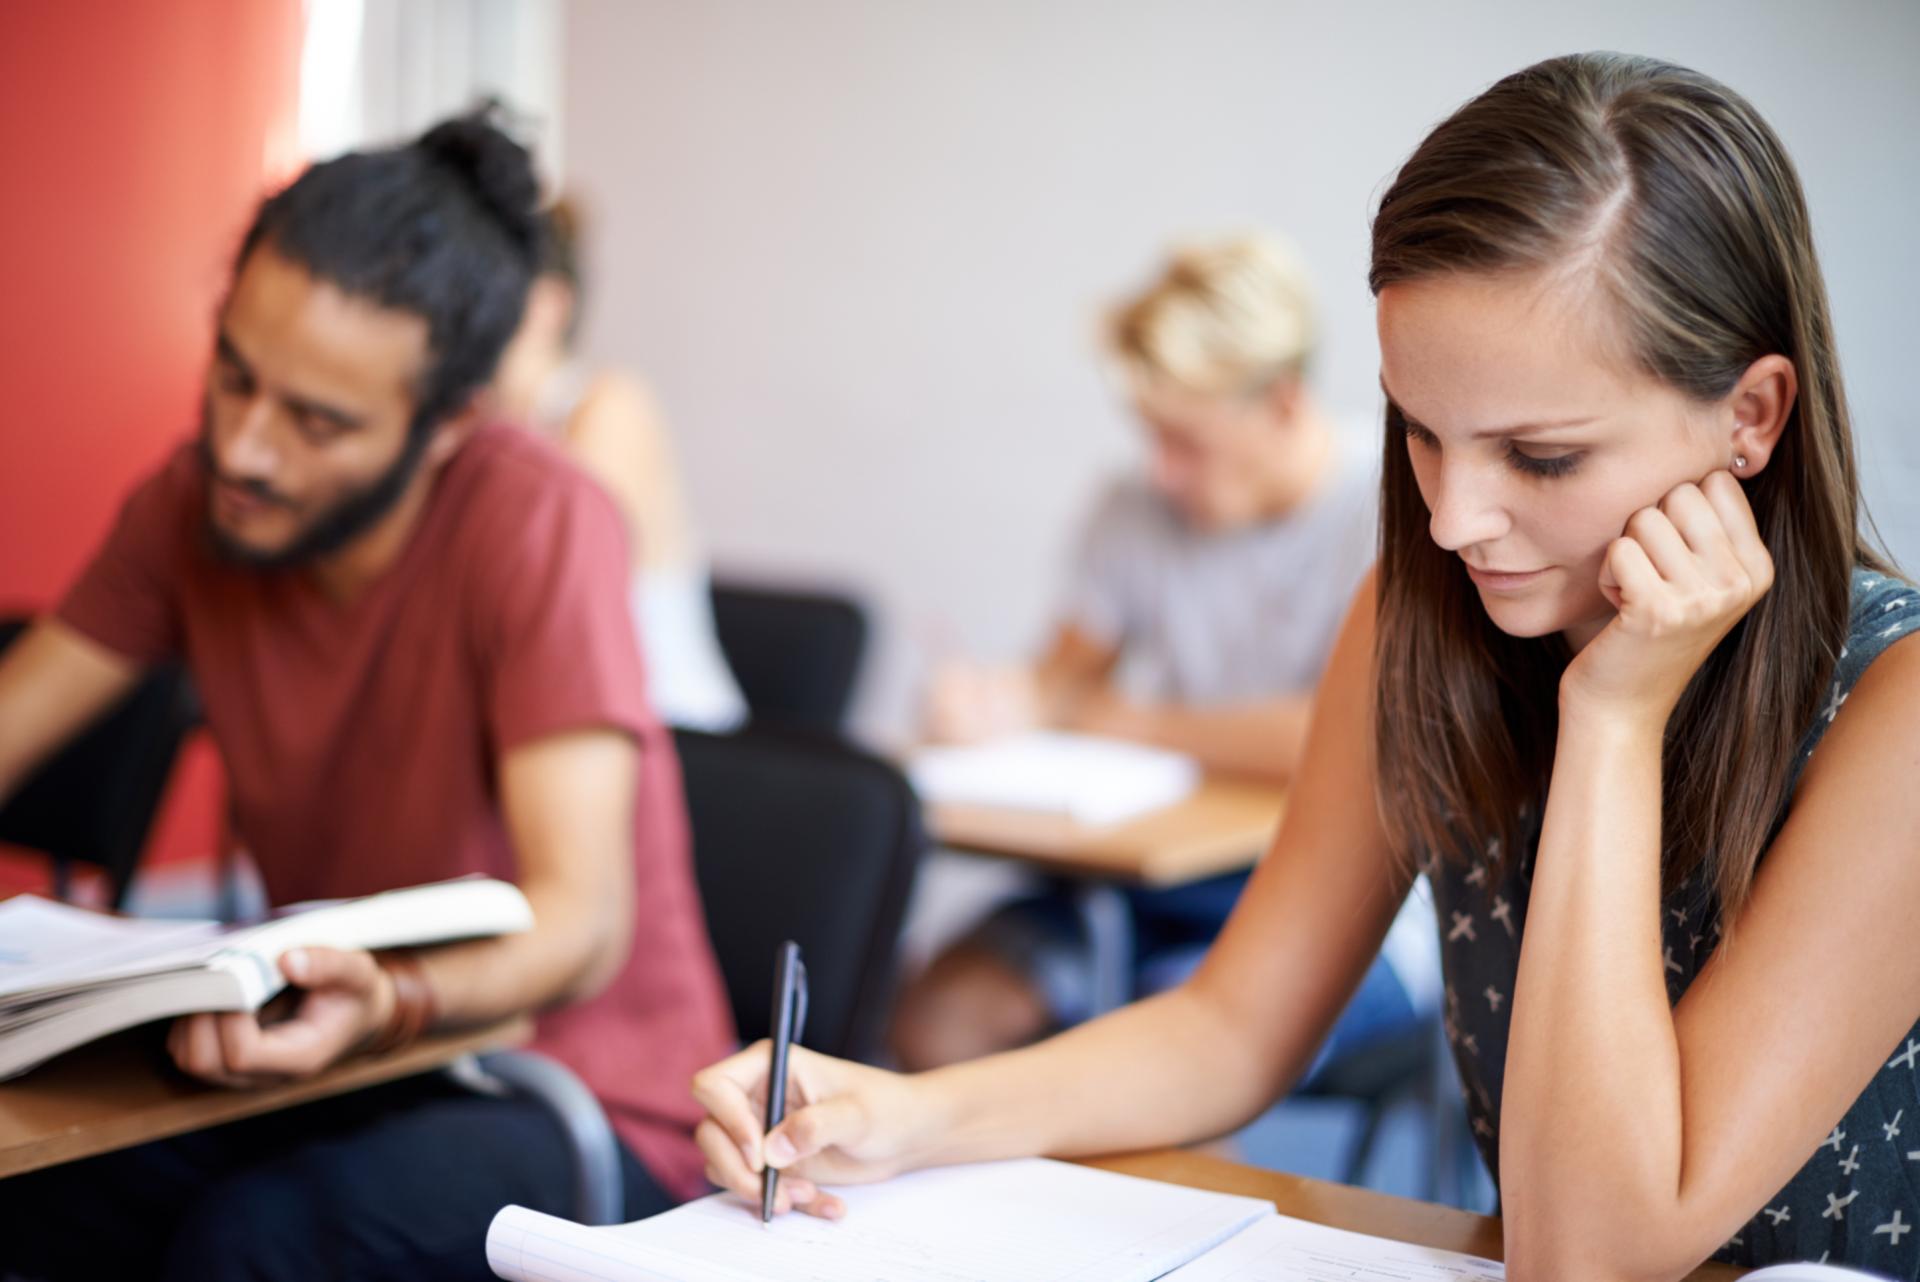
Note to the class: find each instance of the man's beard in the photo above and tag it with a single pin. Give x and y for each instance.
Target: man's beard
(335, 527)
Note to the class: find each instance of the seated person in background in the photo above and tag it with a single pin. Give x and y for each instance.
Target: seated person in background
(1204, 603)
(609, 424)
(409, 631)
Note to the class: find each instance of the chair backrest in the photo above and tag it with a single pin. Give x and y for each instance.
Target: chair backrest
(796, 654)
(93, 802)
(809, 839)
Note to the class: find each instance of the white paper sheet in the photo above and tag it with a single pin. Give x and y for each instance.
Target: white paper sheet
(44, 942)
(1080, 777)
(1024, 1221)
(1283, 1249)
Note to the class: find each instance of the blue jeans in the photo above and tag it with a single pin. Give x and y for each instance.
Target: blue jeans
(1041, 937)
(398, 1181)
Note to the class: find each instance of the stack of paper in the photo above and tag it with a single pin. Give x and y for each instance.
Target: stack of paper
(1079, 777)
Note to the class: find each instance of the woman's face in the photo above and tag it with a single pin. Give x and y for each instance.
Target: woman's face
(1532, 440)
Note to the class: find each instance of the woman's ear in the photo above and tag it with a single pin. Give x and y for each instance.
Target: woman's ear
(1758, 409)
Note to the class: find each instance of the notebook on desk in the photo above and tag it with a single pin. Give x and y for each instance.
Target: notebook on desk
(1024, 1221)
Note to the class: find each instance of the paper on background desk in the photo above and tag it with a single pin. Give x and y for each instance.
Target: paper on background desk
(1024, 1221)
(1087, 779)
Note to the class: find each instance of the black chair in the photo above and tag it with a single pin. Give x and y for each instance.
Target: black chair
(94, 801)
(796, 654)
(803, 838)
(794, 837)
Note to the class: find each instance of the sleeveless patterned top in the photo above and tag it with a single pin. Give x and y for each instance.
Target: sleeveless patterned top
(1856, 1199)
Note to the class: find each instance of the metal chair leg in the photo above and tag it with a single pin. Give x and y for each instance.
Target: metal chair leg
(1104, 916)
(599, 1195)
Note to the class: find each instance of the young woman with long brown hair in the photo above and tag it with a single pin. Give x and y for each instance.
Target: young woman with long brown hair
(1628, 684)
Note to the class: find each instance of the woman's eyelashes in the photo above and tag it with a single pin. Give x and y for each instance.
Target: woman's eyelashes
(1537, 465)
(1518, 459)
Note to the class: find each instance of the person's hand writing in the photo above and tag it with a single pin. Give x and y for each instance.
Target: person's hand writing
(846, 1124)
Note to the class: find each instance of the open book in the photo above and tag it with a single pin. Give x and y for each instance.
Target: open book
(68, 976)
(1024, 1221)
(1080, 777)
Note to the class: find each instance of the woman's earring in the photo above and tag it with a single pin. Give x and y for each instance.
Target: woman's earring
(1739, 462)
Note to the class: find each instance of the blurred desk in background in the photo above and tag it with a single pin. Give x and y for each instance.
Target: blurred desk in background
(1225, 826)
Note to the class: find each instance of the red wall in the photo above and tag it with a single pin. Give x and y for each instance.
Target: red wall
(135, 136)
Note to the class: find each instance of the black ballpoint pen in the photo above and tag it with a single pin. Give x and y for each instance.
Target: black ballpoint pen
(789, 1021)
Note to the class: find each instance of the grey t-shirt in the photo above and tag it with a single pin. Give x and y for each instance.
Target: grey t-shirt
(1219, 617)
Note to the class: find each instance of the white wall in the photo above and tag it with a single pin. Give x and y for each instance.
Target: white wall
(859, 245)
(374, 72)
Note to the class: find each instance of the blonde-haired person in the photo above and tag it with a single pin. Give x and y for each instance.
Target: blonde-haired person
(1225, 318)
(1199, 612)
(610, 424)
(1629, 684)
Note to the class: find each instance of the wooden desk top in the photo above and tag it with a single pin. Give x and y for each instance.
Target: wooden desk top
(1341, 1206)
(1222, 827)
(117, 1093)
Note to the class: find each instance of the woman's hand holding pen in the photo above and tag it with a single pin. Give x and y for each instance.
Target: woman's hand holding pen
(846, 1124)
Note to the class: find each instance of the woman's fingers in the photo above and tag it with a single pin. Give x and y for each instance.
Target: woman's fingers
(1666, 551)
(1704, 550)
(725, 1165)
(1729, 501)
(824, 1205)
(831, 1123)
(726, 1170)
(1632, 570)
(1705, 532)
(828, 1117)
(727, 1089)
(798, 1194)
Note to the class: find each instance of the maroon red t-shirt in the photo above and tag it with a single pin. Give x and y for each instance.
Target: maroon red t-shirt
(362, 739)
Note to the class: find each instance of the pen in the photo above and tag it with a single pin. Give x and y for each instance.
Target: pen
(789, 1020)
